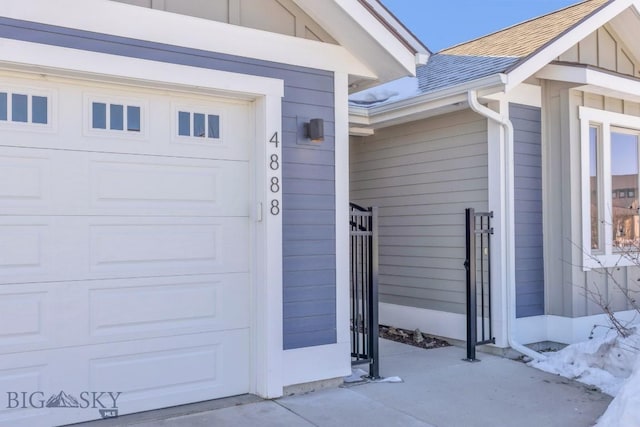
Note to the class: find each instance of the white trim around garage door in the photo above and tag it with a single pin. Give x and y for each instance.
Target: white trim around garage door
(50, 62)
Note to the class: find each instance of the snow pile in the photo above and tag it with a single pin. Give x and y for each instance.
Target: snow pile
(358, 375)
(610, 363)
(604, 362)
(396, 90)
(625, 408)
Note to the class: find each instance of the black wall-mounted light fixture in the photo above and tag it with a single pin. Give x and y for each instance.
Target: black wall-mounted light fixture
(314, 130)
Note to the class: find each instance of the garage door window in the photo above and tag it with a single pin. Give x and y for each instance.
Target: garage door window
(198, 125)
(24, 108)
(115, 117)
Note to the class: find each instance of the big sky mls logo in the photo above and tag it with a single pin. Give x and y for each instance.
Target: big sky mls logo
(106, 402)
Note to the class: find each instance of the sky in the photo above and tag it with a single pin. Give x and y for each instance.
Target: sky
(444, 23)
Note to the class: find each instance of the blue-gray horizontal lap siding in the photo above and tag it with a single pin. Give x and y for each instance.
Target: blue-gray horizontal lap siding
(308, 171)
(528, 210)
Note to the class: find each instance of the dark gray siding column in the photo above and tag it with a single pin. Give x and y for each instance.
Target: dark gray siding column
(528, 210)
(309, 229)
(308, 186)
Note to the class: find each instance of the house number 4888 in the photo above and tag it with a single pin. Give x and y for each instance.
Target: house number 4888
(274, 185)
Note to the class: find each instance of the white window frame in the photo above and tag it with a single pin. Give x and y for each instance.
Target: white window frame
(30, 92)
(605, 256)
(89, 130)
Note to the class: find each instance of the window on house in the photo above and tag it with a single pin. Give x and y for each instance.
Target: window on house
(624, 174)
(112, 117)
(198, 125)
(611, 166)
(594, 133)
(24, 108)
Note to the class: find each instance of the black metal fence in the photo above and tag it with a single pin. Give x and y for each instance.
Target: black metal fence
(478, 266)
(364, 287)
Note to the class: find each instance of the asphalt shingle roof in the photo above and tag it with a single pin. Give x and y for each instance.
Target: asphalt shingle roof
(495, 53)
(449, 70)
(523, 39)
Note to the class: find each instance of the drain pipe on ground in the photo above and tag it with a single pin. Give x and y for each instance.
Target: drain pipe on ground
(508, 215)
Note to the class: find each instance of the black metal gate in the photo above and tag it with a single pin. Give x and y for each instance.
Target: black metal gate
(478, 266)
(364, 287)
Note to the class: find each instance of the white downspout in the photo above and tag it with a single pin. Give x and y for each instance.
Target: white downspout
(509, 213)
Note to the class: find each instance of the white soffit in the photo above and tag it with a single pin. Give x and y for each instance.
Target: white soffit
(594, 81)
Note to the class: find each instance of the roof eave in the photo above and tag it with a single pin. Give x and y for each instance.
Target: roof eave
(425, 105)
(377, 43)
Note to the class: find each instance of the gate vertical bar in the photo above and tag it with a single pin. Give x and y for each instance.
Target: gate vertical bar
(470, 265)
(489, 271)
(354, 292)
(374, 367)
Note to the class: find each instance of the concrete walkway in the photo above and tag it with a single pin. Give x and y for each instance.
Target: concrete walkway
(439, 389)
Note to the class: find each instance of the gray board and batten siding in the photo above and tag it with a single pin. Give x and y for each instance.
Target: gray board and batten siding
(309, 257)
(529, 263)
(422, 175)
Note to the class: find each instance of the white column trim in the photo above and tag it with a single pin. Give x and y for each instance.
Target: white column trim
(342, 205)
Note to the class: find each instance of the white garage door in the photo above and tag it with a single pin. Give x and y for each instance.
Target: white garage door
(124, 249)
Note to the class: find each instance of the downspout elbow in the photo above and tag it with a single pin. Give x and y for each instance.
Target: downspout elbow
(507, 126)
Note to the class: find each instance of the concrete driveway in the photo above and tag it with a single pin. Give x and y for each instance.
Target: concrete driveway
(438, 389)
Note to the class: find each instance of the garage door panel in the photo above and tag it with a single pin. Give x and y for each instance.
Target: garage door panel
(21, 248)
(180, 304)
(24, 179)
(160, 368)
(50, 182)
(22, 318)
(149, 373)
(38, 316)
(45, 249)
(168, 185)
(127, 249)
(29, 373)
(70, 127)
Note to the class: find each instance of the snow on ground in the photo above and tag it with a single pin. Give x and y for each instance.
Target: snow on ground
(610, 363)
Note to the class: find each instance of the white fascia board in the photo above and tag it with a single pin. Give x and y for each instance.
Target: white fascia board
(359, 117)
(119, 19)
(350, 23)
(524, 93)
(565, 42)
(422, 52)
(427, 105)
(592, 80)
(359, 131)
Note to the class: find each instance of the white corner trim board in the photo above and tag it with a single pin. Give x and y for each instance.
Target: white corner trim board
(305, 365)
(565, 330)
(110, 17)
(342, 205)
